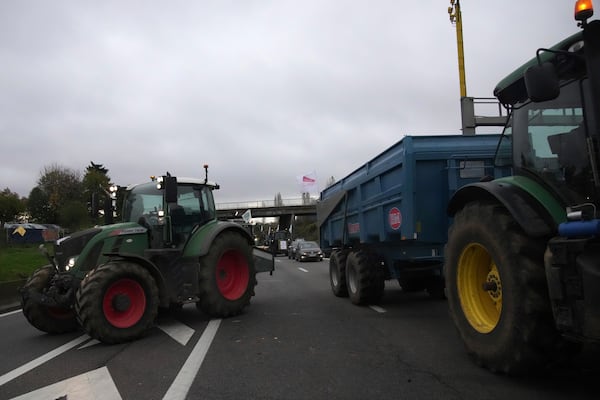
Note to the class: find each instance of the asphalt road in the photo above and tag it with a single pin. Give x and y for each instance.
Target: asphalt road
(295, 341)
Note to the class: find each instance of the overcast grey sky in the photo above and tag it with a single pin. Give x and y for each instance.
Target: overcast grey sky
(262, 91)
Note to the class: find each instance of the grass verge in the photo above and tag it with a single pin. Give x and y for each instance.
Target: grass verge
(19, 261)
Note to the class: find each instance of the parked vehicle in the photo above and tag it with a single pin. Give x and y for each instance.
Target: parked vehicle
(308, 251)
(170, 250)
(292, 248)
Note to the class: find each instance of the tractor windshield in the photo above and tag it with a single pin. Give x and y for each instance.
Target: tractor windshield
(550, 142)
(143, 201)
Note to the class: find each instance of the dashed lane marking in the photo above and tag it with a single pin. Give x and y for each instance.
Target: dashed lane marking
(302, 269)
(378, 309)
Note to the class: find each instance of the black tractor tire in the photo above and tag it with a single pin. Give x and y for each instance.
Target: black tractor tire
(47, 319)
(117, 302)
(227, 276)
(364, 280)
(337, 273)
(497, 294)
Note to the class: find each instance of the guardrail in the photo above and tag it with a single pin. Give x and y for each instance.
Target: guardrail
(266, 204)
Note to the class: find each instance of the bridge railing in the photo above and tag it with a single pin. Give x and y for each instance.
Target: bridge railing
(265, 204)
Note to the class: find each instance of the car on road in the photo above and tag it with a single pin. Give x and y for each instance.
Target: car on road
(292, 248)
(308, 251)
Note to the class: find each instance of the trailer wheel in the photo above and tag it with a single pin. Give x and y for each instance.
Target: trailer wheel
(337, 273)
(497, 291)
(45, 318)
(364, 281)
(117, 302)
(227, 276)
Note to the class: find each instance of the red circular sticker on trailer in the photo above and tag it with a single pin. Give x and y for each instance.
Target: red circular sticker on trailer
(395, 218)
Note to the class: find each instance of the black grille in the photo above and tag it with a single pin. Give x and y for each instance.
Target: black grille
(72, 245)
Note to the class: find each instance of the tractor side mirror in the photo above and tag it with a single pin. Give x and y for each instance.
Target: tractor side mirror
(541, 82)
(170, 183)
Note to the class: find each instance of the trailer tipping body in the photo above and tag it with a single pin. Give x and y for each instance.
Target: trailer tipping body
(394, 207)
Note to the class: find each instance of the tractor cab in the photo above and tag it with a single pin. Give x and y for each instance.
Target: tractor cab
(552, 135)
(170, 208)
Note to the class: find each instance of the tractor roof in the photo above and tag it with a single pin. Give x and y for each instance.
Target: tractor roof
(183, 180)
(511, 90)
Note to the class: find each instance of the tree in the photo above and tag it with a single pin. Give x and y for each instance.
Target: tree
(38, 206)
(10, 206)
(278, 200)
(73, 215)
(306, 200)
(95, 184)
(60, 186)
(330, 181)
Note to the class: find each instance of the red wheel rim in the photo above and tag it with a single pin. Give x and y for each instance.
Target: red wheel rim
(132, 292)
(233, 275)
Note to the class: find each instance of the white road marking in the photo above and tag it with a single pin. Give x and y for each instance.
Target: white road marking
(10, 313)
(91, 343)
(302, 269)
(96, 384)
(184, 379)
(178, 331)
(9, 376)
(378, 309)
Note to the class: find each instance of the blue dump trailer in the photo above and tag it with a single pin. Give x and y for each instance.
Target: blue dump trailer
(388, 219)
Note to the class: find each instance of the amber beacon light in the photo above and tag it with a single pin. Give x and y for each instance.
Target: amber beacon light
(584, 9)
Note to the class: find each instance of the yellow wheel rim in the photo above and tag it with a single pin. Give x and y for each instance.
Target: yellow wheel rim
(479, 288)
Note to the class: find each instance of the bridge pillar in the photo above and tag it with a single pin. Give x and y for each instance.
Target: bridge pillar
(285, 221)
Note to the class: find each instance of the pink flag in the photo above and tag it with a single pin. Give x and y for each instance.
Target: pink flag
(308, 183)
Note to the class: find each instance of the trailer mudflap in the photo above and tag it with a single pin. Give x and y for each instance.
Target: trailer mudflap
(263, 261)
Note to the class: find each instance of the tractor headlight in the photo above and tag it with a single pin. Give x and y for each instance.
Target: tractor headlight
(70, 263)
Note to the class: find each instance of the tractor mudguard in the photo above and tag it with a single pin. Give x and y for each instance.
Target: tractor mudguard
(536, 211)
(150, 267)
(202, 238)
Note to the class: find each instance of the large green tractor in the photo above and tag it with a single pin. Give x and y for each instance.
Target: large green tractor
(523, 255)
(171, 250)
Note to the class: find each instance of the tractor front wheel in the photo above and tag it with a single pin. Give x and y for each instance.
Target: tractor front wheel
(45, 318)
(227, 276)
(117, 302)
(497, 291)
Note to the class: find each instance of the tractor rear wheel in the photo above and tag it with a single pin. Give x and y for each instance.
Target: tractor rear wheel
(117, 302)
(364, 281)
(45, 318)
(497, 293)
(337, 273)
(227, 276)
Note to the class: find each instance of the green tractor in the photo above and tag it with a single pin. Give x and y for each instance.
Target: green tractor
(522, 262)
(170, 250)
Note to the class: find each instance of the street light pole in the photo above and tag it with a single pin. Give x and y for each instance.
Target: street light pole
(456, 18)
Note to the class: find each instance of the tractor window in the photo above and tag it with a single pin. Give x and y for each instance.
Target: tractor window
(194, 207)
(550, 142)
(143, 201)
